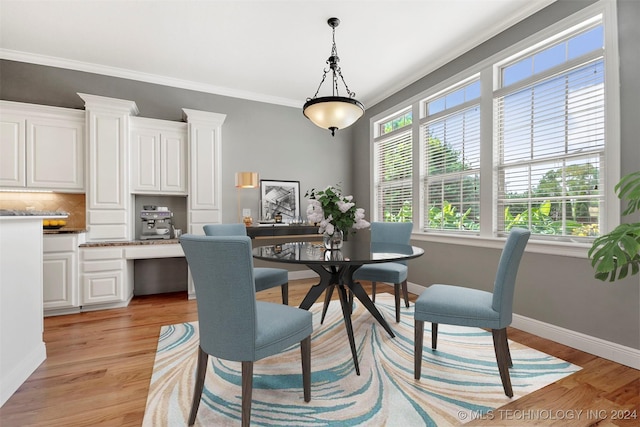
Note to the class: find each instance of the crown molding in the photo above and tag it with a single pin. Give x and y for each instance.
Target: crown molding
(51, 61)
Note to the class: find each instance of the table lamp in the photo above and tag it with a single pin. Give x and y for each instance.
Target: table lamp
(245, 180)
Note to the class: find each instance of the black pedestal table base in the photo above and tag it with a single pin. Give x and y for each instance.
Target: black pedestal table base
(342, 278)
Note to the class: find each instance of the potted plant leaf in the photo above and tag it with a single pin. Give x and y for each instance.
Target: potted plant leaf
(614, 253)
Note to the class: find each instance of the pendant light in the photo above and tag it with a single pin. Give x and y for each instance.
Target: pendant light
(333, 112)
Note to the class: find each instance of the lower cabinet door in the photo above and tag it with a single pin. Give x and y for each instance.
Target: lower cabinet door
(103, 287)
(58, 281)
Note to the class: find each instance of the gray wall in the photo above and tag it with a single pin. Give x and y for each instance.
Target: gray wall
(552, 289)
(277, 142)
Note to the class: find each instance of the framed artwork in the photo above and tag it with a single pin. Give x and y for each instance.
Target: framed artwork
(281, 197)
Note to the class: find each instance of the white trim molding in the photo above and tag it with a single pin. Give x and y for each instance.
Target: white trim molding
(606, 349)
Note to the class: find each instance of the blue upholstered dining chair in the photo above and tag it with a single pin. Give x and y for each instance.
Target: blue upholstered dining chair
(456, 305)
(265, 277)
(388, 272)
(232, 324)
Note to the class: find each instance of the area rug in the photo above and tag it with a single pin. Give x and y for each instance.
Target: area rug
(460, 381)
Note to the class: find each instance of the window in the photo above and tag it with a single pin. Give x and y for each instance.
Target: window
(551, 138)
(451, 159)
(392, 170)
(523, 138)
(399, 121)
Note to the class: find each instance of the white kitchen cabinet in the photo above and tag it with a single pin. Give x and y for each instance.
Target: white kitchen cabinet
(106, 277)
(108, 196)
(158, 157)
(12, 150)
(60, 273)
(42, 147)
(205, 165)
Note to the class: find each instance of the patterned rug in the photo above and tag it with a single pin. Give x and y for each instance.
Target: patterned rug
(460, 381)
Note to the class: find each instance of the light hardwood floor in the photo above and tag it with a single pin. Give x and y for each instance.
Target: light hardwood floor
(99, 365)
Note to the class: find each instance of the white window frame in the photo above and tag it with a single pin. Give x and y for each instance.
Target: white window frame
(489, 79)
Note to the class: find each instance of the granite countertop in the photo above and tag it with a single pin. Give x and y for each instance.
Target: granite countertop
(131, 243)
(32, 212)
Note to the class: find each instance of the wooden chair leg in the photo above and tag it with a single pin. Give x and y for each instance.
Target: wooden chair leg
(285, 293)
(373, 291)
(201, 372)
(405, 293)
(506, 345)
(417, 350)
(434, 336)
(247, 390)
(502, 357)
(305, 352)
(396, 295)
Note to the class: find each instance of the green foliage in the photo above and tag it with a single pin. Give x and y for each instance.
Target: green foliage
(538, 219)
(405, 214)
(454, 202)
(615, 253)
(629, 189)
(448, 218)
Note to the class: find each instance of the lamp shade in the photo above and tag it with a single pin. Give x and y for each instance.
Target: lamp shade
(333, 112)
(246, 179)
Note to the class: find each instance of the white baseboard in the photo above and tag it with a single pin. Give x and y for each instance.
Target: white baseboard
(608, 350)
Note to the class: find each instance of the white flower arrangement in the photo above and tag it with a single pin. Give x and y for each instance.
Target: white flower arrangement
(331, 210)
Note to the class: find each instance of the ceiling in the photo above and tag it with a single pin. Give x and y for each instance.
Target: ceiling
(269, 51)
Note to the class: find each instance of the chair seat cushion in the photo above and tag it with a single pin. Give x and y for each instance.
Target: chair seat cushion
(279, 327)
(267, 278)
(388, 272)
(456, 305)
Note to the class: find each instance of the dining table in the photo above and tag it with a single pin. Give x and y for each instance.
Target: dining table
(335, 267)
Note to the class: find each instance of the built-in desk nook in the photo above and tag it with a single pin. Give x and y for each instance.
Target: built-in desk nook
(112, 272)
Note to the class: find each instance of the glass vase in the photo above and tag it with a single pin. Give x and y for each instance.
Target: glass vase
(333, 241)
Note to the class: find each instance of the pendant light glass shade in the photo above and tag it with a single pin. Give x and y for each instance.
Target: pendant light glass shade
(333, 112)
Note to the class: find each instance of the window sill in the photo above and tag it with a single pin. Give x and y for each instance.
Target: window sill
(568, 249)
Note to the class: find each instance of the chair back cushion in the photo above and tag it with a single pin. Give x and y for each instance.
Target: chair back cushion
(222, 271)
(225, 230)
(392, 232)
(504, 285)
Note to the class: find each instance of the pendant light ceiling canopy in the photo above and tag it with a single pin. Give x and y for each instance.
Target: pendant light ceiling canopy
(333, 112)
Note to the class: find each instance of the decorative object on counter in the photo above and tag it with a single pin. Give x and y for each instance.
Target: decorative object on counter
(278, 218)
(53, 224)
(245, 180)
(157, 222)
(333, 112)
(279, 197)
(336, 215)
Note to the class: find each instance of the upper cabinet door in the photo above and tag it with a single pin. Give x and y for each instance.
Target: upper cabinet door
(174, 162)
(12, 151)
(55, 153)
(158, 156)
(145, 160)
